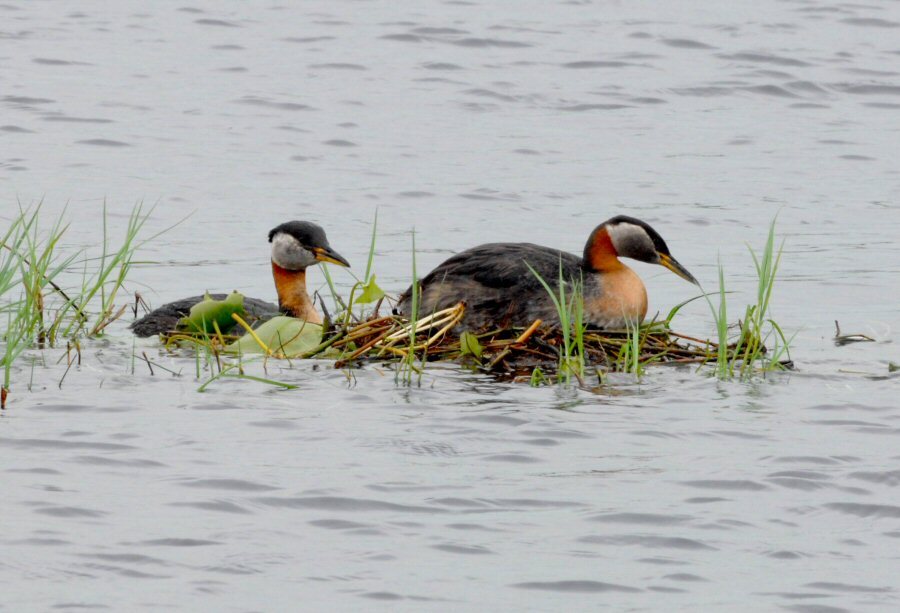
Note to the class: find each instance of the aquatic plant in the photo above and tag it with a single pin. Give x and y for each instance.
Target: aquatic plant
(39, 312)
(107, 280)
(629, 357)
(721, 319)
(570, 311)
(748, 354)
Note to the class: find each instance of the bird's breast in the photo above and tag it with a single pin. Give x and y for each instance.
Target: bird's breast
(614, 298)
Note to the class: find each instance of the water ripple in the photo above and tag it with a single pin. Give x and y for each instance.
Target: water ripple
(865, 510)
(103, 142)
(685, 43)
(765, 58)
(651, 519)
(238, 485)
(337, 503)
(266, 103)
(727, 484)
(651, 542)
(216, 22)
(575, 586)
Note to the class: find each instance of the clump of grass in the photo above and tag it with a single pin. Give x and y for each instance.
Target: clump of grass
(30, 266)
(748, 354)
(629, 357)
(39, 312)
(570, 311)
(114, 266)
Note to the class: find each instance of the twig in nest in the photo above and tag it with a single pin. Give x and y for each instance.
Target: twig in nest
(527, 333)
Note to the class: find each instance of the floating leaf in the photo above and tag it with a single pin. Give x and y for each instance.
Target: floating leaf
(284, 335)
(371, 292)
(469, 345)
(207, 311)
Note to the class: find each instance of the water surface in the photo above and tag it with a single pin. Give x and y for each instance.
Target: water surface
(469, 122)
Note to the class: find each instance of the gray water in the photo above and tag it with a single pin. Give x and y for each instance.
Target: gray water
(470, 122)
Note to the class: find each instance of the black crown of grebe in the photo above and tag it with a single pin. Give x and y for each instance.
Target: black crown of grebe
(500, 290)
(296, 245)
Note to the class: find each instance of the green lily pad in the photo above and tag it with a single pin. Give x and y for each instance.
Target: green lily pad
(289, 336)
(371, 292)
(469, 345)
(203, 314)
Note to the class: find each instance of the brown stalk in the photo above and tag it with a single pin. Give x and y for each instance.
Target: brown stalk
(108, 320)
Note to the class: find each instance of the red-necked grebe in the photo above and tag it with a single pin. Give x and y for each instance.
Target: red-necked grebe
(296, 245)
(500, 291)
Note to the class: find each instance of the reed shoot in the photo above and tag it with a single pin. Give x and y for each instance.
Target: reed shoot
(39, 313)
(570, 311)
(748, 354)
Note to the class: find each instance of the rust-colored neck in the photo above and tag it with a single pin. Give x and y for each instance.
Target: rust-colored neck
(292, 296)
(599, 254)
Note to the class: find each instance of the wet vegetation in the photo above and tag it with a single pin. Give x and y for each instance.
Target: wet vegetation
(39, 312)
(745, 353)
(36, 312)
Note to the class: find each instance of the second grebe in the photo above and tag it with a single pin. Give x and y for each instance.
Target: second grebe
(499, 290)
(296, 245)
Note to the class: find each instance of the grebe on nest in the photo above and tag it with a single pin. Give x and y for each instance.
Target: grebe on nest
(500, 291)
(296, 245)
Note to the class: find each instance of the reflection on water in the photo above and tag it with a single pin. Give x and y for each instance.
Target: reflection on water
(472, 123)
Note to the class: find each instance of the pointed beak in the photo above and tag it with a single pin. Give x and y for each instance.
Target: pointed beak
(672, 264)
(327, 254)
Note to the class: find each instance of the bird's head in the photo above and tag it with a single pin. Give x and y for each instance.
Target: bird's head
(627, 237)
(297, 245)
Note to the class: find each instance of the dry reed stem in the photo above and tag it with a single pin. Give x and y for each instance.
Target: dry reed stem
(108, 320)
(428, 322)
(340, 363)
(527, 333)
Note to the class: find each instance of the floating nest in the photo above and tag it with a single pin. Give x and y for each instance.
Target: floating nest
(514, 352)
(509, 353)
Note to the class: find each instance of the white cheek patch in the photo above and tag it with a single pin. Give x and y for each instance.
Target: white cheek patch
(629, 238)
(289, 254)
